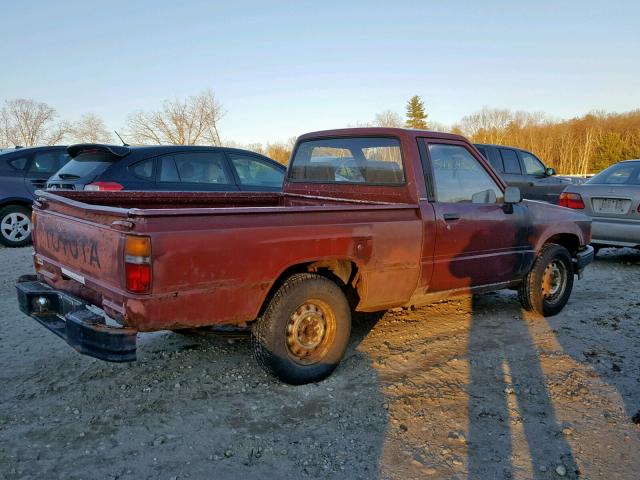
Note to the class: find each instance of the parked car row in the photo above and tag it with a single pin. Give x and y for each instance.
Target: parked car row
(113, 167)
(611, 198)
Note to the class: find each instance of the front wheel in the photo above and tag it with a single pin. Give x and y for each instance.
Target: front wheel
(547, 287)
(15, 226)
(304, 331)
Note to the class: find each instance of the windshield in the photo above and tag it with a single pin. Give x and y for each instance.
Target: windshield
(89, 164)
(626, 173)
(375, 161)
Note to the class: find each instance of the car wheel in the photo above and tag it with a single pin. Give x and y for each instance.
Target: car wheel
(547, 287)
(15, 226)
(304, 331)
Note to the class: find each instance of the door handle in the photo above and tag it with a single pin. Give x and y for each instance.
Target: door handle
(451, 216)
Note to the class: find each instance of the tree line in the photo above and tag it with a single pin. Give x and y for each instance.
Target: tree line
(580, 145)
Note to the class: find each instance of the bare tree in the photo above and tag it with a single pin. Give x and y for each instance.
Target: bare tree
(388, 118)
(90, 129)
(27, 122)
(191, 121)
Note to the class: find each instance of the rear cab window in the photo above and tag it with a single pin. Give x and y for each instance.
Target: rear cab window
(359, 160)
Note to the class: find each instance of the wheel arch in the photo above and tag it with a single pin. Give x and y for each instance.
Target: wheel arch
(20, 202)
(342, 271)
(570, 241)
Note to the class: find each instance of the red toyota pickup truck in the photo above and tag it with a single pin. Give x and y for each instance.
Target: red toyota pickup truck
(369, 219)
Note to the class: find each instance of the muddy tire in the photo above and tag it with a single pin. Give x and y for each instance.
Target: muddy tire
(547, 287)
(304, 331)
(15, 226)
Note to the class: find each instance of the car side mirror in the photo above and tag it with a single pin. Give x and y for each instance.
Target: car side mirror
(550, 171)
(511, 197)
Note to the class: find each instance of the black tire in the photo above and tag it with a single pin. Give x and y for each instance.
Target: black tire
(15, 226)
(306, 308)
(552, 271)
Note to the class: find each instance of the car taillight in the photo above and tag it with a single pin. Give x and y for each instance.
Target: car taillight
(137, 264)
(571, 200)
(103, 187)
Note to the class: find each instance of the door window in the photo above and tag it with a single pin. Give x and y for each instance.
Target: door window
(510, 161)
(18, 163)
(459, 177)
(168, 170)
(143, 169)
(255, 172)
(197, 167)
(532, 165)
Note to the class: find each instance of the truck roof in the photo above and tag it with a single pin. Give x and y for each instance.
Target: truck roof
(384, 131)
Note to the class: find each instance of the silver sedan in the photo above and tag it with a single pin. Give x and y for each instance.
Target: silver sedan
(612, 199)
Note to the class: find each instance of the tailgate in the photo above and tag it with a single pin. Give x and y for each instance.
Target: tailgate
(86, 251)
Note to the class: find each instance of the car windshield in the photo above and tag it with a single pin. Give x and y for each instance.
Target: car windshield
(87, 164)
(627, 173)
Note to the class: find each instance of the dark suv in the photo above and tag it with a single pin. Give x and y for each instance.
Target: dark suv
(174, 167)
(22, 171)
(522, 169)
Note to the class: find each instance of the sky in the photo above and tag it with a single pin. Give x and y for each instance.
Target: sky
(281, 69)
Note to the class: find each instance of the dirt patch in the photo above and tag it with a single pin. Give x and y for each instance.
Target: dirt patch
(471, 388)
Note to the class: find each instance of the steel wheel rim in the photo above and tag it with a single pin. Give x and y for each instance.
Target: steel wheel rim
(310, 332)
(554, 281)
(15, 226)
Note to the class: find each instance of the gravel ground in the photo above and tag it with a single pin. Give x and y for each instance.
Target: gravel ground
(471, 388)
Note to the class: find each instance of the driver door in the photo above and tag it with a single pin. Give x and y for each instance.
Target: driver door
(476, 243)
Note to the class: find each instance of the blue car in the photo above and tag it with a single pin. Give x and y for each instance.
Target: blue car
(22, 172)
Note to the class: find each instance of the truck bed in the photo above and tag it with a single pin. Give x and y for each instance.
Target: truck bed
(216, 255)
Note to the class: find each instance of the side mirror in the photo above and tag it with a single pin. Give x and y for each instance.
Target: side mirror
(550, 171)
(511, 197)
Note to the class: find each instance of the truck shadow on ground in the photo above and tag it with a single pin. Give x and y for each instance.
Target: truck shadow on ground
(513, 427)
(610, 356)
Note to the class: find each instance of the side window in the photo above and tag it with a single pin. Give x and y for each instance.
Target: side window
(168, 170)
(510, 161)
(459, 177)
(143, 169)
(532, 165)
(18, 163)
(46, 162)
(252, 171)
(494, 158)
(202, 167)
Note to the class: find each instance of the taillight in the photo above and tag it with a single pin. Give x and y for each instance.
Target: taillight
(571, 200)
(137, 264)
(103, 187)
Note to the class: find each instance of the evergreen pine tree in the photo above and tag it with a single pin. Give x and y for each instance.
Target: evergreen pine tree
(416, 116)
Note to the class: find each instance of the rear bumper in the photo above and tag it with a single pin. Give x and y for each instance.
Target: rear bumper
(583, 258)
(70, 319)
(615, 231)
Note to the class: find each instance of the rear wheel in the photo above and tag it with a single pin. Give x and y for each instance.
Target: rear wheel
(304, 331)
(547, 287)
(15, 226)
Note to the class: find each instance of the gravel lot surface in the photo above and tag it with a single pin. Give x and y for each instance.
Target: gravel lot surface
(470, 388)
